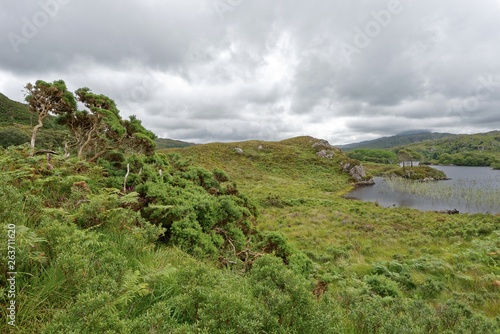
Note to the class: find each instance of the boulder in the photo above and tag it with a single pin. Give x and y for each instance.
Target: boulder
(238, 150)
(321, 144)
(358, 173)
(328, 154)
(346, 166)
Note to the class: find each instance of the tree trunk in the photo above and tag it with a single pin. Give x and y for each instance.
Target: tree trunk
(35, 130)
(97, 155)
(89, 137)
(125, 179)
(107, 149)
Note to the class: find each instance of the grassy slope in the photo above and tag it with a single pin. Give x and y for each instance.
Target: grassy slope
(16, 125)
(271, 169)
(347, 237)
(89, 264)
(13, 112)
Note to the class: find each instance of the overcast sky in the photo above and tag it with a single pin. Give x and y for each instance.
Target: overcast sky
(231, 70)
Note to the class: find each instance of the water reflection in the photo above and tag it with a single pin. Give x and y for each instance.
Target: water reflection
(472, 189)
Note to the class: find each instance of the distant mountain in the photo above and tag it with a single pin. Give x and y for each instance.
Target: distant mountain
(171, 143)
(405, 138)
(413, 132)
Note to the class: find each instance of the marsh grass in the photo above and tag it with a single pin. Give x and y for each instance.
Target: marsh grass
(467, 192)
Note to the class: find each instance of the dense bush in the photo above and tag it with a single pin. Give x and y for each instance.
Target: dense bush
(174, 249)
(467, 159)
(12, 136)
(373, 155)
(418, 173)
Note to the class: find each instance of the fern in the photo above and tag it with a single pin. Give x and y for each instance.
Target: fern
(132, 286)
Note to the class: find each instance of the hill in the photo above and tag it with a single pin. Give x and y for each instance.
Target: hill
(16, 126)
(250, 237)
(265, 168)
(481, 149)
(171, 143)
(12, 112)
(402, 139)
(298, 194)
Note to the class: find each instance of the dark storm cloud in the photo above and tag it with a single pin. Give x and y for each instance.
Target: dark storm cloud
(197, 71)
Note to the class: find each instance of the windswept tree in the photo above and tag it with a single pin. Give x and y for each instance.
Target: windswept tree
(46, 98)
(408, 155)
(404, 156)
(139, 139)
(100, 129)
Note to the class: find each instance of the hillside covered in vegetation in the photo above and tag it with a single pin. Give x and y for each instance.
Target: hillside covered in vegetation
(111, 236)
(181, 246)
(482, 149)
(16, 126)
(396, 141)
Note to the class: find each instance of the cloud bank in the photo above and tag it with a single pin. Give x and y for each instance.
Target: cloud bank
(229, 70)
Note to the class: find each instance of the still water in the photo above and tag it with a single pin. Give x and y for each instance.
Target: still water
(471, 189)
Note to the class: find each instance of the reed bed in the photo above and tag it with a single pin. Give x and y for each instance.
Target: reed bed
(481, 193)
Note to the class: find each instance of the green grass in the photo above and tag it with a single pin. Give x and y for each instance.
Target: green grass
(348, 237)
(91, 261)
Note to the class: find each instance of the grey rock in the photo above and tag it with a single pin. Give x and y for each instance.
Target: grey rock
(328, 154)
(321, 144)
(346, 166)
(358, 173)
(369, 182)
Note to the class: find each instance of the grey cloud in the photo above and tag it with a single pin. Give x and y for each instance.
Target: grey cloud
(267, 70)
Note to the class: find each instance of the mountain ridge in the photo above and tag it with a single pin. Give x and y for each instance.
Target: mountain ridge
(401, 139)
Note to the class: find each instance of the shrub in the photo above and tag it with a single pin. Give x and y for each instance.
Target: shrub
(383, 286)
(12, 137)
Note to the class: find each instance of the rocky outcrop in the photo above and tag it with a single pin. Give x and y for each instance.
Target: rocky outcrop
(369, 182)
(358, 174)
(328, 154)
(324, 149)
(321, 144)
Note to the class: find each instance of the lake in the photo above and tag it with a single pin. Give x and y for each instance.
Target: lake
(471, 190)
